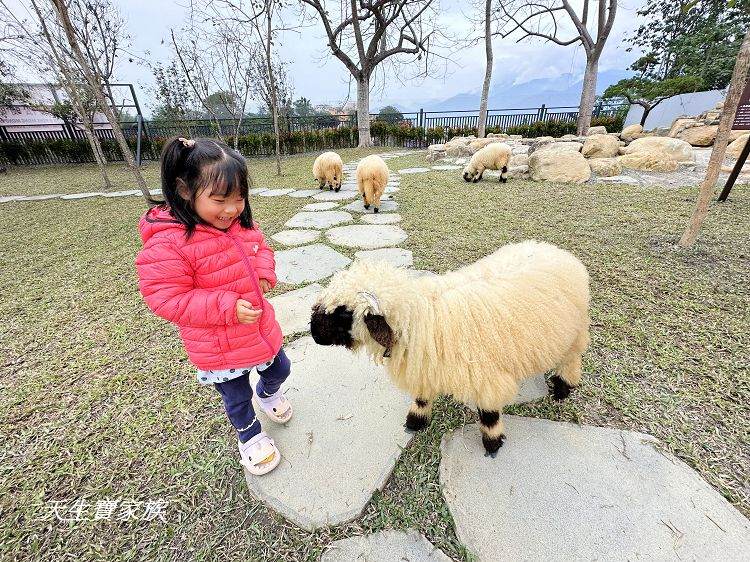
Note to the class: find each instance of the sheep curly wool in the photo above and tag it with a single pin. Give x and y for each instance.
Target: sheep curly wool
(372, 177)
(494, 156)
(474, 333)
(328, 169)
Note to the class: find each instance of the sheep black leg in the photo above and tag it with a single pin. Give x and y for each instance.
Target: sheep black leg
(560, 388)
(504, 171)
(419, 415)
(492, 431)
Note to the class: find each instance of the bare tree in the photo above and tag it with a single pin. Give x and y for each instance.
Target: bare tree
(740, 77)
(363, 34)
(93, 76)
(482, 124)
(539, 18)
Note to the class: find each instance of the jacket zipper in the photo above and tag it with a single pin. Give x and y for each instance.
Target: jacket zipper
(255, 284)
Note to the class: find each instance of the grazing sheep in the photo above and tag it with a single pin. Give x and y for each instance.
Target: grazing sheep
(372, 177)
(327, 169)
(494, 156)
(474, 333)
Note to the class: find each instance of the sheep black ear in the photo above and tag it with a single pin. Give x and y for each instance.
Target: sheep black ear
(380, 331)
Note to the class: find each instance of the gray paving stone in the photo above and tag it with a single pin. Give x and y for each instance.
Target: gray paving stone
(413, 170)
(343, 441)
(296, 237)
(366, 236)
(44, 197)
(335, 195)
(127, 193)
(81, 195)
(301, 193)
(385, 546)
(381, 218)
(318, 219)
(308, 263)
(358, 206)
(275, 192)
(533, 388)
(9, 198)
(396, 256)
(324, 206)
(293, 308)
(257, 190)
(558, 491)
(446, 167)
(619, 180)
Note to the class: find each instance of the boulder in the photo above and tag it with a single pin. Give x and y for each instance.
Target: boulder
(559, 166)
(702, 135)
(598, 130)
(458, 146)
(735, 134)
(559, 147)
(736, 146)
(677, 149)
(605, 167)
(600, 146)
(518, 172)
(519, 160)
(435, 152)
(631, 132)
(539, 142)
(520, 149)
(515, 137)
(655, 161)
(680, 124)
(481, 143)
(575, 138)
(499, 136)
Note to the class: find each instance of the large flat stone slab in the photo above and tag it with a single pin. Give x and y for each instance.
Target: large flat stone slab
(558, 491)
(335, 195)
(293, 308)
(296, 237)
(386, 205)
(396, 256)
(308, 263)
(446, 167)
(81, 195)
(343, 441)
(413, 170)
(381, 218)
(385, 546)
(533, 388)
(275, 192)
(318, 219)
(367, 236)
(49, 196)
(324, 206)
(126, 193)
(301, 193)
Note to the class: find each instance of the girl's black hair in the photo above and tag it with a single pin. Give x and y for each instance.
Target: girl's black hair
(201, 164)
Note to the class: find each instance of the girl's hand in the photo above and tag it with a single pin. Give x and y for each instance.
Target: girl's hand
(246, 314)
(265, 286)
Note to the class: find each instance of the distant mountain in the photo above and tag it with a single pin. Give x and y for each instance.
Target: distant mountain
(562, 90)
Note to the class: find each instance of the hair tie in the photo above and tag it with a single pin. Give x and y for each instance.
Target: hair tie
(187, 143)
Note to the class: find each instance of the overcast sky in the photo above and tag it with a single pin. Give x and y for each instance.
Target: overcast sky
(323, 79)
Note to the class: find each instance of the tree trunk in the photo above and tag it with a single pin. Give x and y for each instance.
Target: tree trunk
(481, 126)
(646, 111)
(96, 148)
(736, 86)
(95, 86)
(363, 110)
(588, 94)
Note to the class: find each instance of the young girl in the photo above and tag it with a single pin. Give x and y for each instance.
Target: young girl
(205, 266)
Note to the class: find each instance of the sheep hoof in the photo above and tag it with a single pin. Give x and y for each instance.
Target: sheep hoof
(503, 180)
(375, 210)
(337, 189)
(416, 423)
(492, 444)
(367, 206)
(560, 389)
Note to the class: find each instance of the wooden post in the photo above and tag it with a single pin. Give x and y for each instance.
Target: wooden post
(741, 123)
(736, 88)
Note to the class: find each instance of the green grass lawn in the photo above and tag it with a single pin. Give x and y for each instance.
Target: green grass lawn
(98, 401)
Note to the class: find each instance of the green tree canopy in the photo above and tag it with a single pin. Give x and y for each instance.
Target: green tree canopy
(649, 93)
(390, 114)
(303, 107)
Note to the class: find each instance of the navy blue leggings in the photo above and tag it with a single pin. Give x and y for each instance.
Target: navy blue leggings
(237, 395)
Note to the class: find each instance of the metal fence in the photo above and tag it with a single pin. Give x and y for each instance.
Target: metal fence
(38, 143)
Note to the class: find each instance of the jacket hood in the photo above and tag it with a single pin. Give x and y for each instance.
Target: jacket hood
(158, 219)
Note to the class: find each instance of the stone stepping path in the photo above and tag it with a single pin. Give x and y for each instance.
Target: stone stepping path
(358, 206)
(413, 170)
(296, 237)
(387, 218)
(446, 167)
(308, 263)
(318, 219)
(385, 546)
(275, 192)
(558, 491)
(301, 193)
(81, 195)
(293, 309)
(366, 236)
(335, 195)
(395, 256)
(343, 441)
(325, 206)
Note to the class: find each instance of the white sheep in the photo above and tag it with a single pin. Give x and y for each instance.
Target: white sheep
(494, 156)
(372, 178)
(474, 333)
(328, 169)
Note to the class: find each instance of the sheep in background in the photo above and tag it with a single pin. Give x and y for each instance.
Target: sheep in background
(494, 156)
(327, 169)
(372, 177)
(474, 333)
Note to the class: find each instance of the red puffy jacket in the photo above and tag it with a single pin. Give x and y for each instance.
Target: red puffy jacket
(195, 283)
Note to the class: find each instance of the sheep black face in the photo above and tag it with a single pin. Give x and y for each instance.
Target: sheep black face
(468, 177)
(333, 328)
